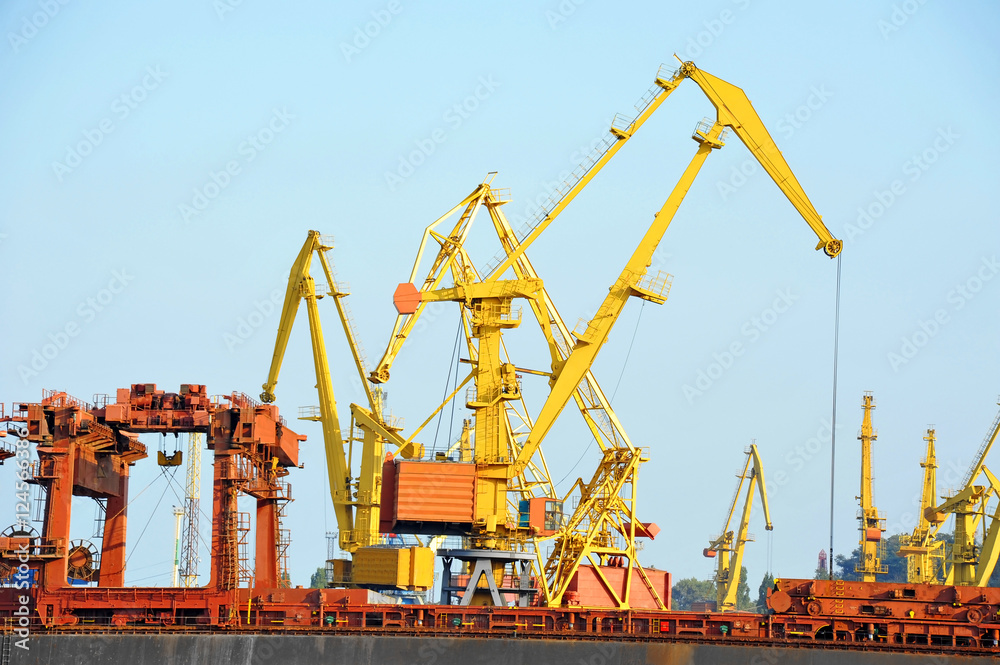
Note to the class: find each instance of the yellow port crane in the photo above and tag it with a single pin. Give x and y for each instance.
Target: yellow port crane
(617, 510)
(734, 111)
(356, 499)
(871, 524)
(970, 564)
(923, 550)
(728, 546)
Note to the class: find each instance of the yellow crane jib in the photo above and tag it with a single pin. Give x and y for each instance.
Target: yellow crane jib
(733, 110)
(728, 547)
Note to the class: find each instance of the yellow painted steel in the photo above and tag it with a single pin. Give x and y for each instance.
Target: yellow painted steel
(356, 500)
(452, 259)
(602, 526)
(870, 522)
(394, 567)
(923, 550)
(964, 505)
(729, 546)
(490, 305)
(733, 110)
(990, 551)
(442, 263)
(572, 361)
(568, 375)
(968, 566)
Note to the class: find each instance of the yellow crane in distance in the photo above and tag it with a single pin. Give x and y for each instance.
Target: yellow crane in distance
(728, 546)
(356, 499)
(923, 550)
(972, 565)
(871, 524)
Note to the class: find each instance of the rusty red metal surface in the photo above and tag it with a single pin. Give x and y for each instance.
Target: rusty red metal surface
(587, 590)
(884, 612)
(87, 449)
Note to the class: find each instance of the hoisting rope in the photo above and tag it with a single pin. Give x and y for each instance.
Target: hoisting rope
(770, 552)
(152, 514)
(629, 353)
(447, 384)
(833, 424)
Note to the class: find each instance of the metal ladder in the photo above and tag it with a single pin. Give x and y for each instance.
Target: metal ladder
(981, 453)
(5, 649)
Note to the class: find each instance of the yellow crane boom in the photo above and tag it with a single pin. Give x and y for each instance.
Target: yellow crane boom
(491, 312)
(729, 546)
(356, 500)
(733, 110)
(571, 365)
(631, 282)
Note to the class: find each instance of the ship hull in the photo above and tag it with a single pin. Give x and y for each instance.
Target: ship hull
(264, 649)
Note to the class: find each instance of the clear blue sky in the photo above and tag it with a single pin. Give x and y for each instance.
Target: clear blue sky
(118, 116)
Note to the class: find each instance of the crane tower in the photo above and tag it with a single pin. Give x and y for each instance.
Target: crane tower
(871, 524)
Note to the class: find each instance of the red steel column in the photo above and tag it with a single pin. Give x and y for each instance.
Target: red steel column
(113, 547)
(266, 570)
(58, 506)
(219, 500)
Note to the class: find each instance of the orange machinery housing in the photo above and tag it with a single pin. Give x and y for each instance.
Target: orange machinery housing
(433, 498)
(427, 497)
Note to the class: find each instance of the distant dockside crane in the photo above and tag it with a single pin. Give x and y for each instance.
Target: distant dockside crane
(727, 548)
(871, 524)
(923, 550)
(970, 563)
